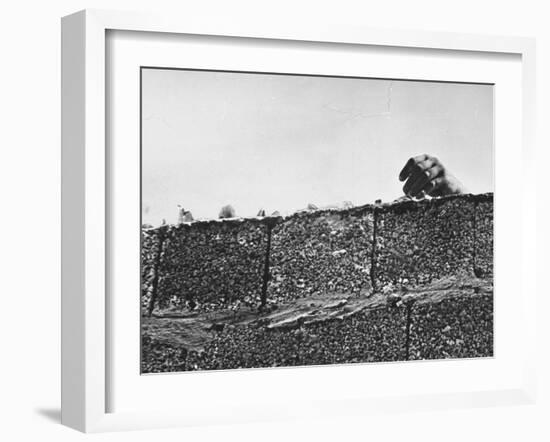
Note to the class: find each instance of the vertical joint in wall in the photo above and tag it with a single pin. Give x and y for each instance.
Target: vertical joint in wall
(154, 284)
(266, 267)
(373, 250)
(408, 330)
(474, 247)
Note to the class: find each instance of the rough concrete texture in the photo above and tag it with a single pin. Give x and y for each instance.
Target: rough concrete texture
(418, 242)
(321, 252)
(319, 331)
(432, 297)
(449, 318)
(150, 258)
(208, 265)
(484, 236)
(460, 326)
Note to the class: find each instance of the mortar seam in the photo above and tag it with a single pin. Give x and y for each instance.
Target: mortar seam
(267, 269)
(373, 259)
(474, 248)
(154, 284)
(408, 331)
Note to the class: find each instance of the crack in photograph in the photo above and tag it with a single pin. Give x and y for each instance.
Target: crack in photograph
(297, 220)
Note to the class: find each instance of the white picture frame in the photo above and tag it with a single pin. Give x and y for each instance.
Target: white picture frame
(85, 202)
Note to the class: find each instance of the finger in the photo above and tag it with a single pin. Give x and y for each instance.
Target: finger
(427, 170)
(435, 186)
(425, 177)
(426, 182)
(405, 171)
(410, 182)
(434, 172)
(408, 168)
(430, 188)
(418, 186)
(418, 178)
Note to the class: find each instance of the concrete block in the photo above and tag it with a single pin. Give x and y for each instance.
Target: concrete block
(321, 252)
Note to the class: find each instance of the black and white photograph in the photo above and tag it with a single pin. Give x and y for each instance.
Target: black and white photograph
(275, 221)
(301, 220)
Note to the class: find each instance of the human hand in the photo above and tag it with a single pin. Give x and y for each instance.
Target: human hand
(425, 175)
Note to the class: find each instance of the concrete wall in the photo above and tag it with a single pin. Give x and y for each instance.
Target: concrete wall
(371, 335)
(483, 253)
(204, 265)
(207, 265)
(441, 321)
(460, 326)
(418, 242)
(321, 251)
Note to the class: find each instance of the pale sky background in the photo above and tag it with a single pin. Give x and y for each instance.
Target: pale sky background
(279, 142)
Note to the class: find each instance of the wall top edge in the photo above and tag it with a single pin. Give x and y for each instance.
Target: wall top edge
(270, 221)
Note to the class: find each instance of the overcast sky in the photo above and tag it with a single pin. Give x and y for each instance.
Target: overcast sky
(279, 142)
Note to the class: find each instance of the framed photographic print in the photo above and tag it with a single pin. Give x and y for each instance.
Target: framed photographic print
(263, 222)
